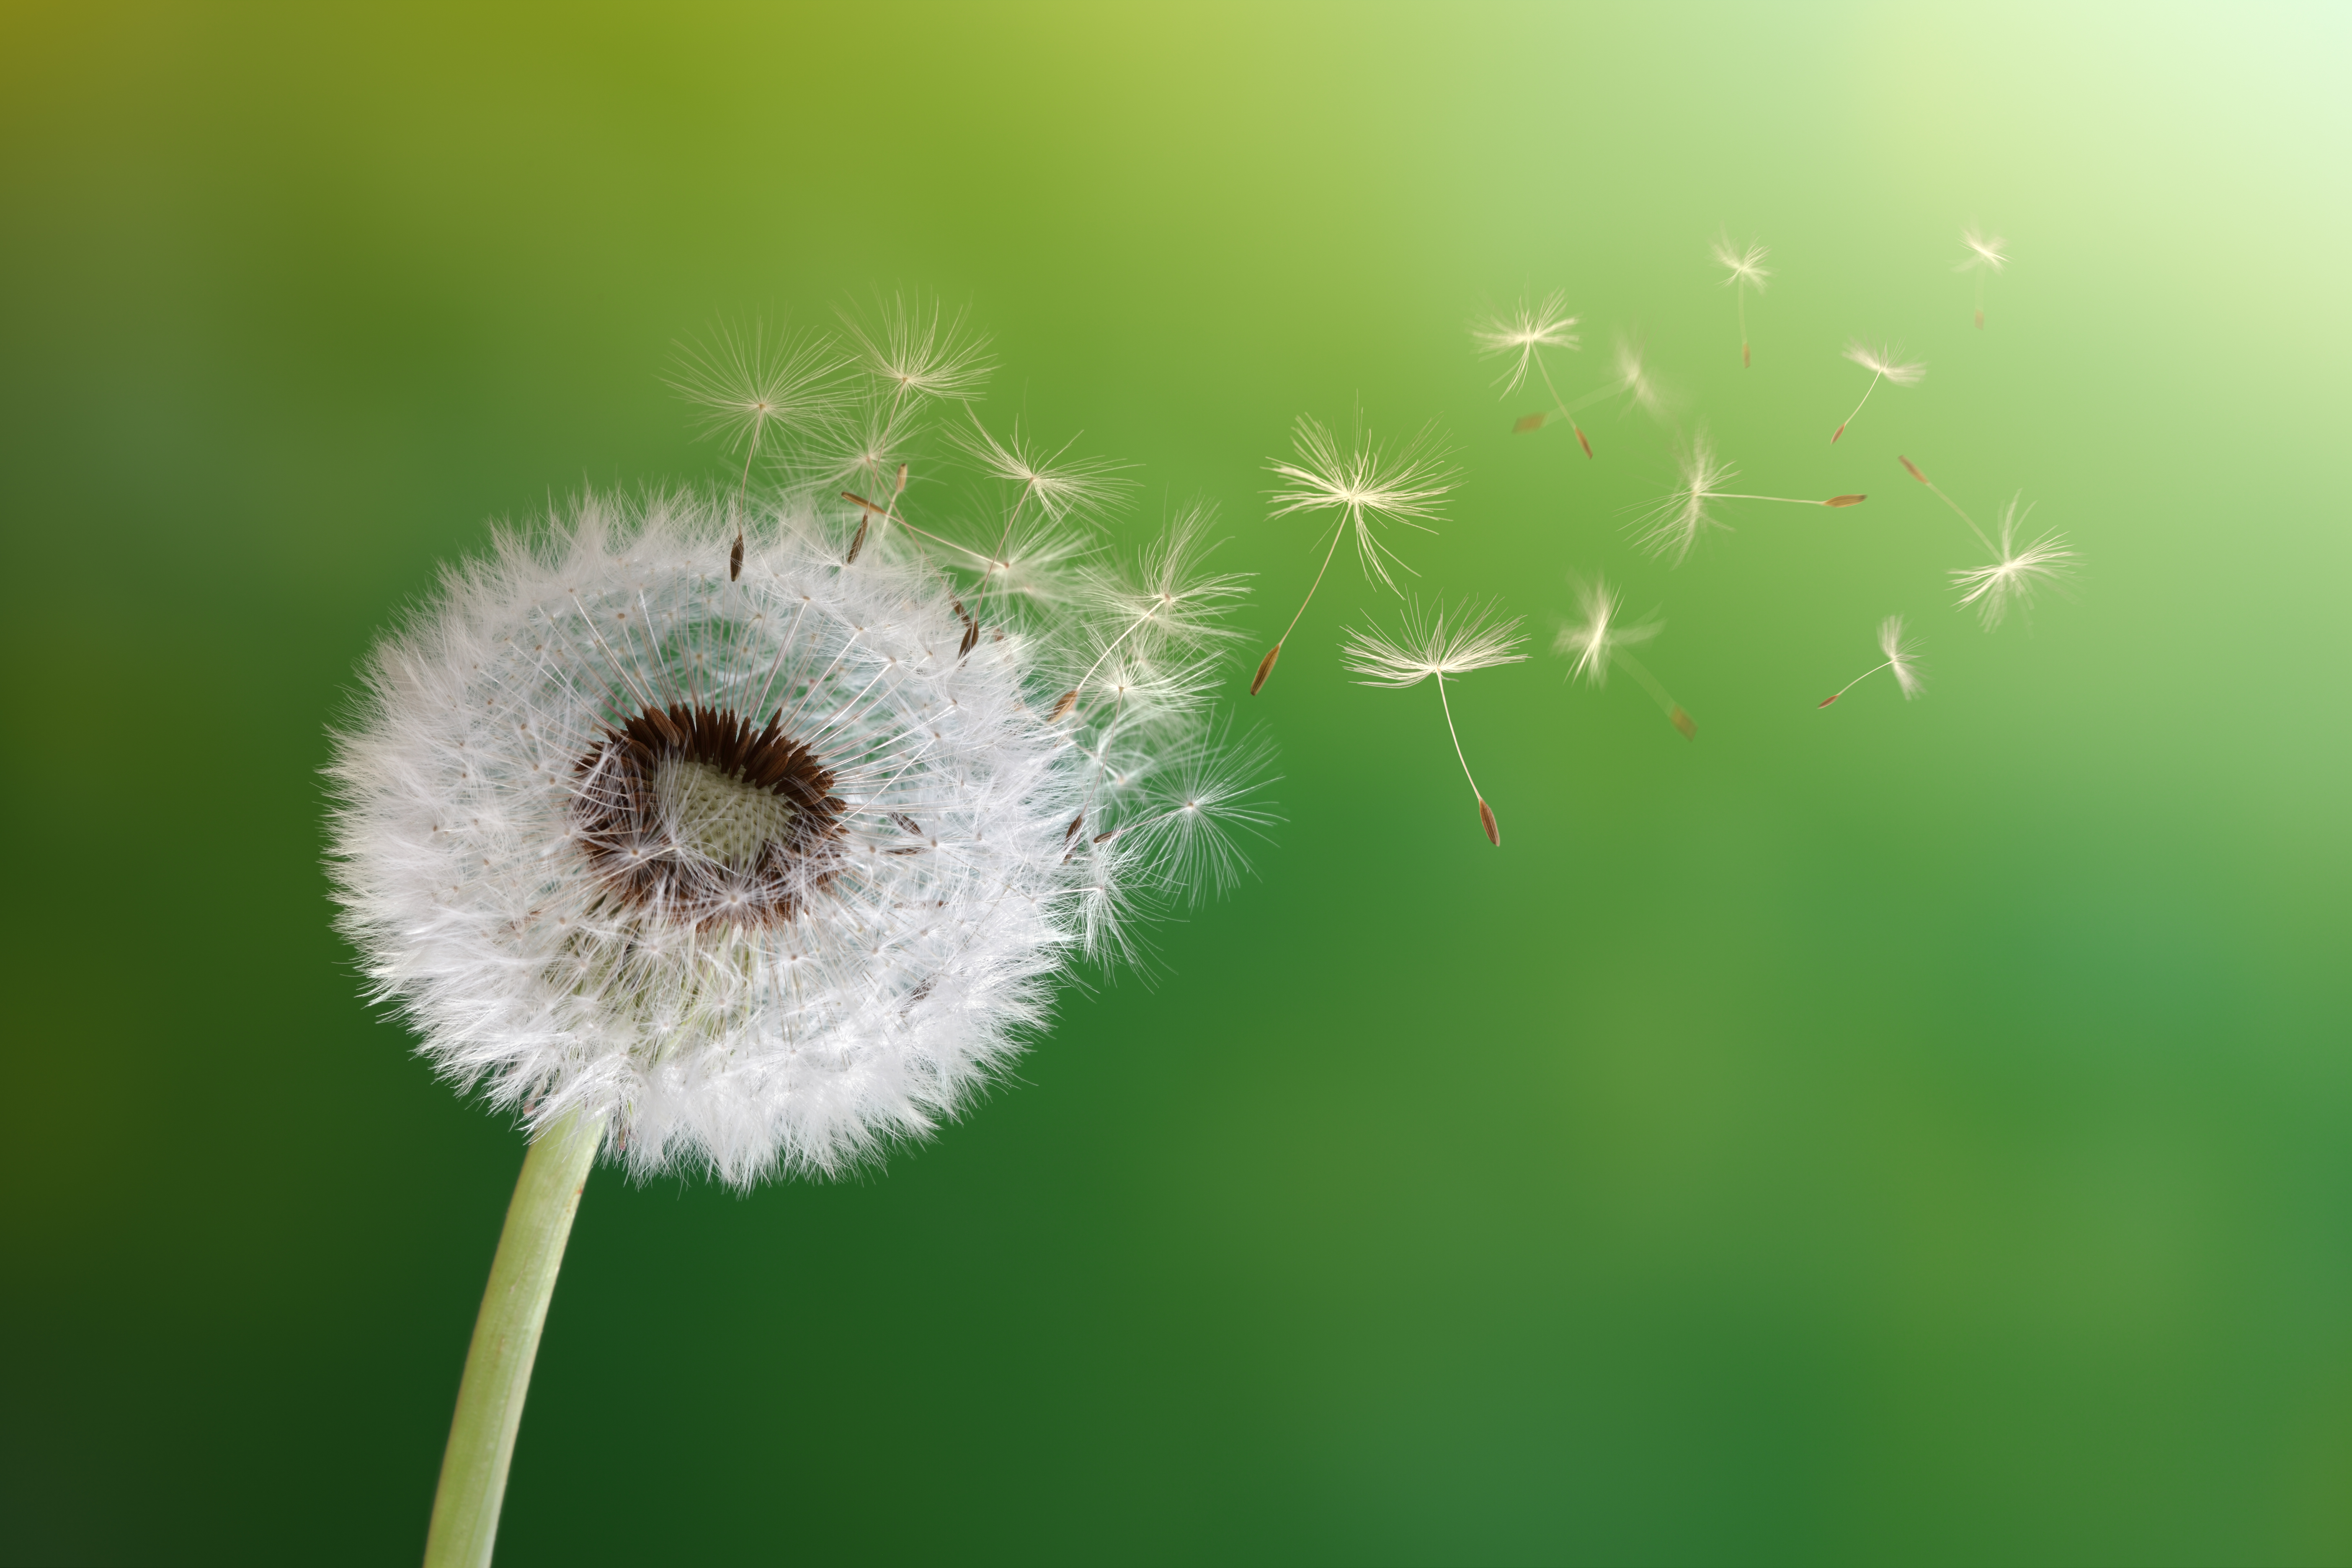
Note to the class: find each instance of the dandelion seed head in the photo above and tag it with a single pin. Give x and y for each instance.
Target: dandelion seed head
(2021, 569)
(1742, 268)
(1432, 642)
(1986, 254)
(914, 349)
(1901, 656)
(1886, 362)
(1672, 527)
(1593, 642)
(1365, 482)
(773, 871)
(1635, 380)
(744, 384)
(1525, 330)
(1054, 483)
(1170, 598)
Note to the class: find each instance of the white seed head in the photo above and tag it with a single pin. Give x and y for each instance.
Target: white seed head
(1636, 381)
(1901, 656)
(1053, 485)
(913, 349)
(769, 871)
(2020, 569)
(1593, 642)
(1428, 646)
(1742, 267)
(1169, 599)
(1985, 253)
(1884, 361)
(749, 387)
(1365, 482)
(1524, 331)
(1673, 525)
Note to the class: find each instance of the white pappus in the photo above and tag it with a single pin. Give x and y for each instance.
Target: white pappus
(767, 861)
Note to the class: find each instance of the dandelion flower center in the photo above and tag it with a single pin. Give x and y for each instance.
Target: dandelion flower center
(691, 814)
(721, 817)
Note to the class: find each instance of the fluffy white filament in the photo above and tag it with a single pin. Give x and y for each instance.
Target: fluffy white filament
(989, 829)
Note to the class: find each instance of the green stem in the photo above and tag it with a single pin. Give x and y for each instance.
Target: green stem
(506, 1341)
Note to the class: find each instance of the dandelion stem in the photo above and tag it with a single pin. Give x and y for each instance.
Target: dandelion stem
(1337, 534)
(1448, 707)
(506, 1341)
(1857, 408)
(1913, 470)
(1850, 685)
(1742, 293)
(1557, 402)
(1664, 700)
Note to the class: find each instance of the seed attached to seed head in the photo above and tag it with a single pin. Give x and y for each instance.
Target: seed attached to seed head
(1069, 700)
(1072, 830)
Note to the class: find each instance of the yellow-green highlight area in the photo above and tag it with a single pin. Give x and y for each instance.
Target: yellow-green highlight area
(1895, 1132)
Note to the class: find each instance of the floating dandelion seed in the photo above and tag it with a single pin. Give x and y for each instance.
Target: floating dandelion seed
(1428, 647)
(2017, 572)
(1635, 383)
(757, 871)
(1054, 485)
(916, 351)
(744, 386)
(1883, 366)
(1051, 490)
(1603, 640)
(1171, 602)
(1526, 333)
(1901, 656)
(1985, 256)
(914, 356)
(1746, 271)
(1365, 483)
(1673, 526)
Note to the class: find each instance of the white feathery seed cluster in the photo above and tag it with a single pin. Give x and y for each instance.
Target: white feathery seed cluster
(772, 861)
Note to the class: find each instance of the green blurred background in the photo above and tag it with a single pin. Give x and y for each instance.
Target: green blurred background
(1907, 1132)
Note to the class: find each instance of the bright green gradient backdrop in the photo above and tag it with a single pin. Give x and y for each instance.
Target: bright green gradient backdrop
(1900, 1133)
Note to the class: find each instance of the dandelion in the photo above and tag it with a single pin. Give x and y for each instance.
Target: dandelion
(1363, 484)
(916, 350)
(743, 387)
(1428, 647)
(2018, 570)
(1744, 269)
(1985, 256)
(1901, 656)
(755, 872)
(1526, 333)
(1054, 484)
(1602, 641)
(1883, 366)
(1673, 525)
